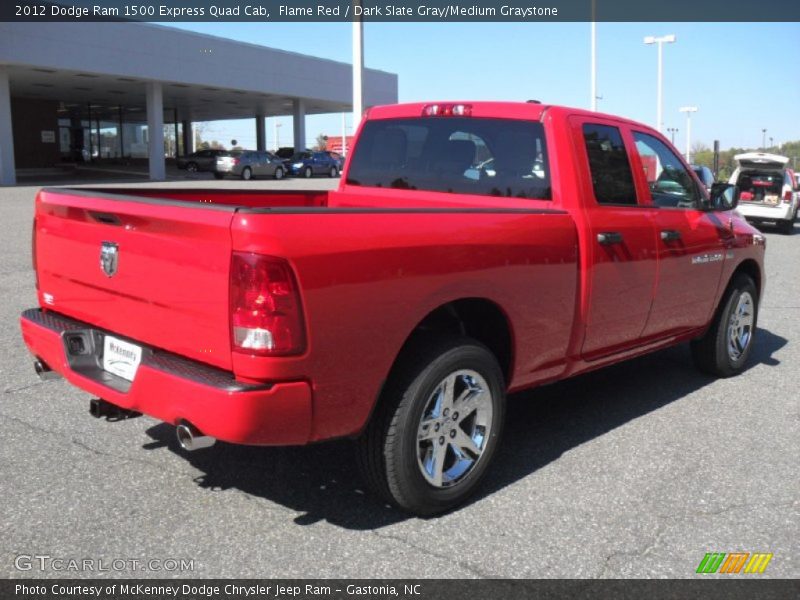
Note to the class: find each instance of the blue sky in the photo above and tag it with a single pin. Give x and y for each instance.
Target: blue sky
(742, 76)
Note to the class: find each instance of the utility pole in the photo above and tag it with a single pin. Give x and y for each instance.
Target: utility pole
(660, 41)
(358, 67)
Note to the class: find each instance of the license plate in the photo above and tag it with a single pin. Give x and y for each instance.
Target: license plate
(770, 200)
(121, 358)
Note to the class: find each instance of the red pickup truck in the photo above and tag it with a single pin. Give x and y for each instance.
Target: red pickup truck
(471, 250)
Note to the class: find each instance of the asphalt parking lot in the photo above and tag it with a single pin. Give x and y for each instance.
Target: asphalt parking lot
(634, 471)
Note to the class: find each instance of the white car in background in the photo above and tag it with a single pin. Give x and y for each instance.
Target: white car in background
(768, 189)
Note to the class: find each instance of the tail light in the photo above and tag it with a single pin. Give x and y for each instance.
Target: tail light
(447, 110)
(235, 161)
(787, 196)
(266, 315)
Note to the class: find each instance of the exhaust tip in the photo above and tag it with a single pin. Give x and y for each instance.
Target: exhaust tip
(43, 371)
(190, 438)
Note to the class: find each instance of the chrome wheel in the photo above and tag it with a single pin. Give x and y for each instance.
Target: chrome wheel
(740, 326)
(454, 428)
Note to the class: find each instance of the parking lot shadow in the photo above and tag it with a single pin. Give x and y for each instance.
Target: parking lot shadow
(322, 483)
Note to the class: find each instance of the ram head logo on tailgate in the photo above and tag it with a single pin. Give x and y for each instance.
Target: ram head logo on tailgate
(109, 258)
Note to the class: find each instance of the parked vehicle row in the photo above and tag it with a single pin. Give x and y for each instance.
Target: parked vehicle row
(247, 164)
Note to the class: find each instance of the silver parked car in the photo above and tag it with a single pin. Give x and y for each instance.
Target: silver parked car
(248, 164)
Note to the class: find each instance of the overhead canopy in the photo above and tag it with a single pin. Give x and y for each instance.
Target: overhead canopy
(203, 77)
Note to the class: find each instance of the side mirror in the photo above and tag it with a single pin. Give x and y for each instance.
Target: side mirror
(724, 196)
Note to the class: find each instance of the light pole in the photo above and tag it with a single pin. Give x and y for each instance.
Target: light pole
(771, 144)
(277, 138)
(688, 110)
(763, 139)
(358, 67)
(664, 39)
(672, 131)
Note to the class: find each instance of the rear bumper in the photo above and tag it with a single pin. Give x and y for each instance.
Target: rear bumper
(174, 389)
(779, 212)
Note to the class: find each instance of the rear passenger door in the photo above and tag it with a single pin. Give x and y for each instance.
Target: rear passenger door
(619, 241)
(691, 242)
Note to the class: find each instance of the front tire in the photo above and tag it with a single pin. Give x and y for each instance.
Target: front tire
(724, 349)
(192, 167)
(279, 173)
(437, 426)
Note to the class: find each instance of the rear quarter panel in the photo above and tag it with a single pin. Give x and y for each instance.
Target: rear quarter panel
(369, 276)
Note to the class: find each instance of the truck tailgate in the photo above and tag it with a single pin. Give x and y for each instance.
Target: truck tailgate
(169, 289)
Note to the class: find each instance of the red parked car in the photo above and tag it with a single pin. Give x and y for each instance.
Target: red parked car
(471, 250)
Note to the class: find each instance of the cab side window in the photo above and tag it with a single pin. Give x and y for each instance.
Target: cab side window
(612, 179)
(671, 185)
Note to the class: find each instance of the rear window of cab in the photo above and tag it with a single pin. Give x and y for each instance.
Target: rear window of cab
(461, 155)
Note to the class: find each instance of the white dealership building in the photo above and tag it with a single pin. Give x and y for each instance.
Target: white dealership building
(104, 91)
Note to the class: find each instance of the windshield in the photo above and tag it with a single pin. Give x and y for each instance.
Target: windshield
(301, 156)
(489, 157)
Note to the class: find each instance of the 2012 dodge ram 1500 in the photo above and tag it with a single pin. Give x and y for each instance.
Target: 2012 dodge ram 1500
(471, 250)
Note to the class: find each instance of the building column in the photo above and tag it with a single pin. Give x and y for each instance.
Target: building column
(261, 133)
(188, 137)
(155, 131)
(299, 124)
(8, 173)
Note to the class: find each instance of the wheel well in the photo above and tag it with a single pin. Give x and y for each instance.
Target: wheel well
(477, 318)
(750, 268)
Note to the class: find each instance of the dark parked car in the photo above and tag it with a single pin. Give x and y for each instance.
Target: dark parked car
(202, 160)
(308, 164)
(337, 158)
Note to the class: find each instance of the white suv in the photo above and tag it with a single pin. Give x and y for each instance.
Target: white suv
(768, 189)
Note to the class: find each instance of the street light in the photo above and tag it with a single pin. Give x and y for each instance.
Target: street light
(688, 110)
(771, 144)
(673, 131)
(664, 39)
(763, 139)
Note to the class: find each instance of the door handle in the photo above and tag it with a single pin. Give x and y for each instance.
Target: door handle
(670, 235)
(608, 238)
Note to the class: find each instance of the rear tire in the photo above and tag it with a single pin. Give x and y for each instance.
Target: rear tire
(307, 173)
(418, 452)
(247, 173)
(192, 167)
(786, 227)
(333, 172)
(219, 175)
(724, 349)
